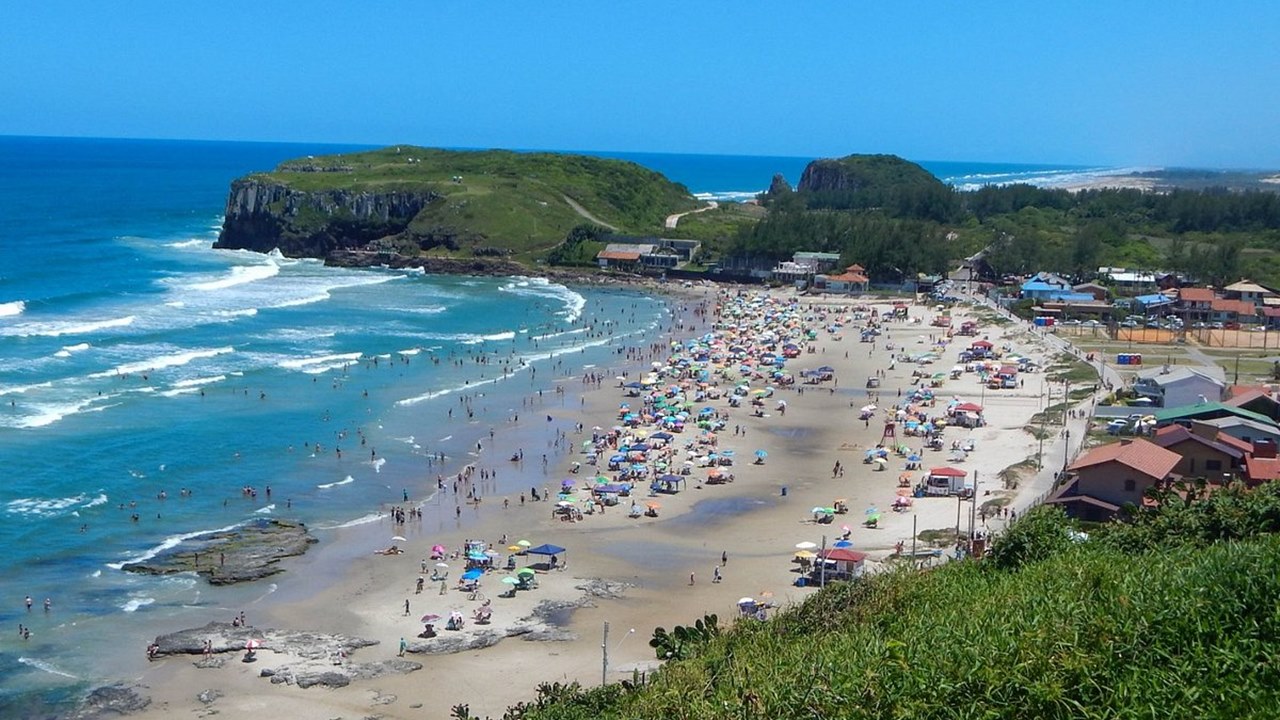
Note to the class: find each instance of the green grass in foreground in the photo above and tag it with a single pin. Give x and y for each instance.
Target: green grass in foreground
(1172, 617)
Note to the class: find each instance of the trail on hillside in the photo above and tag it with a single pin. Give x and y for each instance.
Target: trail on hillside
(587, 214)
(673, 220)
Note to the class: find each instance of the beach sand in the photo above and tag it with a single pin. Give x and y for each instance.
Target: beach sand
(343, 587)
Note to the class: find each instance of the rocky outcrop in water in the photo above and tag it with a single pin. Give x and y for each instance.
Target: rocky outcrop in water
(111, 701)
(262, 215)
(249, 552)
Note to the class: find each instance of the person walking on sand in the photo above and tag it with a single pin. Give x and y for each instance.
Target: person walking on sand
(690, 578)
(715, 574)
(724, 558)
(403, 646)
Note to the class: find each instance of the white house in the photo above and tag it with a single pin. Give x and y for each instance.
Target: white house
(1175, 387)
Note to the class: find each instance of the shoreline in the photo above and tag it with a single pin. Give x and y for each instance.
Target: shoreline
(751, 520)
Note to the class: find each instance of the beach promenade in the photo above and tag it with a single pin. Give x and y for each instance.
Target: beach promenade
(709, 545)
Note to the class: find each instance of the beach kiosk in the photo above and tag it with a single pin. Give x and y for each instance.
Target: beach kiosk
(840, 564)
(948, 481)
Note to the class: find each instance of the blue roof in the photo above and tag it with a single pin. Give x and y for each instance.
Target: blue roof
(1039, 285)
(1155, 299)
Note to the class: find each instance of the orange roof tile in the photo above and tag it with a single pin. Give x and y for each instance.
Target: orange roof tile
(1196, 295)
(1235, 442)
(617, 255)
(1261, 469)
(1145, 457)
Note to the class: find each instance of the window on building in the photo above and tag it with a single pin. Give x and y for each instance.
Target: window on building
(1213, 465)
(1129, 485)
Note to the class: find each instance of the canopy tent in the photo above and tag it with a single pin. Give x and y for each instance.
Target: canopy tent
(546, 549)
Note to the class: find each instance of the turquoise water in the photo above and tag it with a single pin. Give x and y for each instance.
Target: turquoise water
(136, 362)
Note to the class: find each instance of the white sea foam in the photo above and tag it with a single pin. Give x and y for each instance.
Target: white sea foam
(193, 243)
(298, 302)
(362, 520)
(19, 389)
(326, 360)
(170, 542)
(58, 329)
(164, 361)
(42, 507)
(133, 603)
(541, 287)
(492, 337)
(345, 481)
(49, 413)
(194, 382)
(67, 350)
(240, 275)
(245, 312)
(266, 510)
(12, 309)
(729, 195)
(101, 499)
(410, 351)
(45, 666)
(427, 310)
(377, 464)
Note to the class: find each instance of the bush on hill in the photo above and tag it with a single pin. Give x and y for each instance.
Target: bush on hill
(1173, 616)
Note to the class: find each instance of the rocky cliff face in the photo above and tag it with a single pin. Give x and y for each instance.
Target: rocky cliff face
(263, 215)
(825, 175)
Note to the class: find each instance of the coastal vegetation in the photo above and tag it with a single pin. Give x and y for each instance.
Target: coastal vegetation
(887, 214)
(452, 203)
(1171, 615)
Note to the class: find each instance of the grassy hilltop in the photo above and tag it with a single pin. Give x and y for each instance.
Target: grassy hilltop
(521, 204)
(1176, 615)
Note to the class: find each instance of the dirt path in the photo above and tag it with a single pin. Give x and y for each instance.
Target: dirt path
(587, 214)
(673, 220)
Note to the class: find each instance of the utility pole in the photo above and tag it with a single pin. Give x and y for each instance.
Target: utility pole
(914, 520)
(822, 564)
(604, 652)
(1066, 451)
(973, 508)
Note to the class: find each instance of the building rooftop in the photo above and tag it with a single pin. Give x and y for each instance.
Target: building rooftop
(1197, 294)
(1171, 435)
(1141, 455)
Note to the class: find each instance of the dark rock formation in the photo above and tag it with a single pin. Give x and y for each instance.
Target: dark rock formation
(231, 638)
(856, 173)
(248, 552)
(110, 702)
(779, 185)
(262, 215)
(436, 265)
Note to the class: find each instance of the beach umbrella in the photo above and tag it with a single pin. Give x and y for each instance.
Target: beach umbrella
(762, 454)
(880, 461)
(430, 617)
(842, 544)
(514, 548)
(746, 601)
(806, 554)
(524, 543)
(510, 580)
(653, 505)
(473, 574)
(252, 644)
(397, 538)
(442, 565)
(526, 571)
(913, 458)
(566, 483)
(437, 548)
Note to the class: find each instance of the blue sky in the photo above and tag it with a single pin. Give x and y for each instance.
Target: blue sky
(1120, 83)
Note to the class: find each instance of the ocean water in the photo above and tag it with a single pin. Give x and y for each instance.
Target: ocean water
(144, 374)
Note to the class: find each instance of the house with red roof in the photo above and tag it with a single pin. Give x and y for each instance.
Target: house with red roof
(1105, 479)
(1202, 455)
